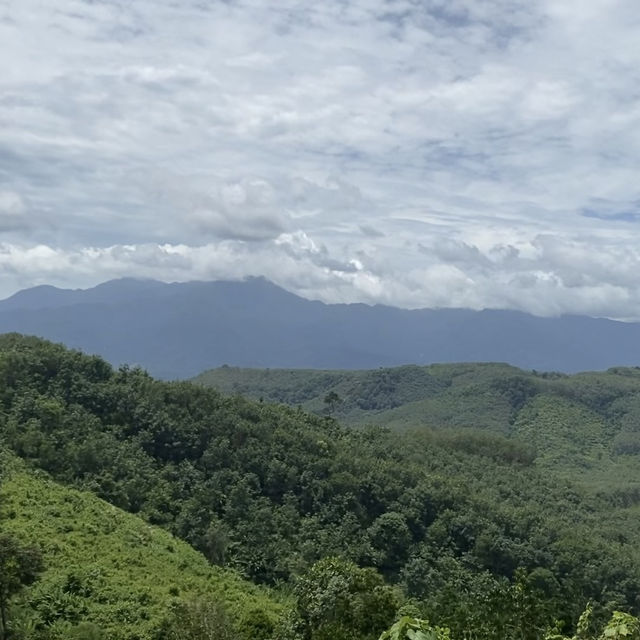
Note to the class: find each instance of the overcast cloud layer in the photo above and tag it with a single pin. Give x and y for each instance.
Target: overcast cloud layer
(456, 153)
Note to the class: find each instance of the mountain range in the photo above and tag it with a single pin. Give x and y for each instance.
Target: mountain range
(180, 329)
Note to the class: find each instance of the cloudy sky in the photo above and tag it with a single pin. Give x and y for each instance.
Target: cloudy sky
(440, 153)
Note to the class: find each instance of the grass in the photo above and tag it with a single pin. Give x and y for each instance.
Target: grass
(110, 568)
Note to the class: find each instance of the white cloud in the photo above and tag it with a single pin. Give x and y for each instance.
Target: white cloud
(437, 153)
(245, 210)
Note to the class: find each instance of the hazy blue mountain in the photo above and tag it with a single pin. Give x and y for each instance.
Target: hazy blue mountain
(178, 330)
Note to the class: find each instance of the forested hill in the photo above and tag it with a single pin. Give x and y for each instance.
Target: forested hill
(457, 527)
(586, 425)
(178, 330)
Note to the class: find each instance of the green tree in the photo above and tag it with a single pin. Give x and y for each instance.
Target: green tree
(331, 402)
(337, 600)
(215, 542)
(20, 565)
(408, 628)
(622, 626)
(87, 631)
(391, 540)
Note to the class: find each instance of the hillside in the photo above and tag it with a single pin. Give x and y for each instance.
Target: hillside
(585, 425)
(178, 330)
(460, 522)
(111, 569)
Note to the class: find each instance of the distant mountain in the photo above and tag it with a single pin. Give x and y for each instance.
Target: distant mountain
(177, 330)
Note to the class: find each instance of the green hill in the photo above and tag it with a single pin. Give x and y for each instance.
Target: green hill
(586, 426)
(111, 569)
(456, 395)
(464, 524)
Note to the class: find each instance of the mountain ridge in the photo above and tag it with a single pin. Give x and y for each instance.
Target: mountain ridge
(177, 330)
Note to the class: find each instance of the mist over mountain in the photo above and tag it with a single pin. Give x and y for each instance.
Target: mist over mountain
(177, 330)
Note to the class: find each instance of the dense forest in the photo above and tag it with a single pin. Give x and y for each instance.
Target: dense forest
(343, 531)
(585, 426)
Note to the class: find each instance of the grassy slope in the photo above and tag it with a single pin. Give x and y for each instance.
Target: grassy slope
(128, 572)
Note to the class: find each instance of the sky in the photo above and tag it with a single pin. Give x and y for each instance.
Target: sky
(417, 153)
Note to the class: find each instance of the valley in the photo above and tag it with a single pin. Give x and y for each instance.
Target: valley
(484, 528)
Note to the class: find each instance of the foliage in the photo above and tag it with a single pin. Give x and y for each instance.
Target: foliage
(331, 401)
(621, 626)
(584, 425)
(337, 600)
(20, 566)
(197, 619)
(483, 538)
(408, 628)
(109, 574)
(358, 393)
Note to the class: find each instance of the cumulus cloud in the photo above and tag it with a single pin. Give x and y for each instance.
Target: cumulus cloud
(419, 154)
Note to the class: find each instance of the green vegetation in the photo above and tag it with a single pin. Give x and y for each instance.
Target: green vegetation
(415, 629)
(584, 426)
(471, 529)
(111, 569)
(361, 393)
(621, 626)
(20, 565)
(338, 599)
